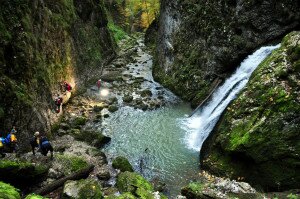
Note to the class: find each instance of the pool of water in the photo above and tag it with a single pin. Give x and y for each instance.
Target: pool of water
(153, 142)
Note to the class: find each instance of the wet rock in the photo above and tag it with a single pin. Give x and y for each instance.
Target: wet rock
(111, 76)
(146, 93)
(103, 174)
(112, 108)
(106, 115)
(112, 100)
(158, 184)
(122, 164)
(97, 109)
(82, 189)
(8, 191)
(127, 99)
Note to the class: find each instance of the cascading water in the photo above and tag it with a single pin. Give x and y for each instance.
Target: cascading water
(199, 126)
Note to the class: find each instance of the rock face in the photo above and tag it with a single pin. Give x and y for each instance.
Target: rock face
(82, 189)
(258, 139)
(201, 41)
(42, 44)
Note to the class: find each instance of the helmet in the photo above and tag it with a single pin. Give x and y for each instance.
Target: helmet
(36, 134)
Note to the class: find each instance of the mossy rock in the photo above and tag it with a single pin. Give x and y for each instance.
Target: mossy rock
(94, 138)
(70, 164)
(8, 192)
(79, 121)
(34, 196)
(18, 173)
(146, 93)
(258, 135)
(193, 190)
(82, 189)
(112, 108)
(133, 183)
(127, 99)
(122, 163)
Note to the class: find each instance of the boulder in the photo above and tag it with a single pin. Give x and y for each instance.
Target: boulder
(22, 173)
(122, 164)
(146, 93)
(112, 108)
(82, 189)
(34, 196)
(127, 99)
(79, 121)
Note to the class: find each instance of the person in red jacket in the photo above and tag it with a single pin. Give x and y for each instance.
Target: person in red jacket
(67, 86)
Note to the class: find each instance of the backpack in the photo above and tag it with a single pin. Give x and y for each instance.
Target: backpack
(57, 101)
(13, 138)
(1, 142)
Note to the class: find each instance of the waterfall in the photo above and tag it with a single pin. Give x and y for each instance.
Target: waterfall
(199, 126)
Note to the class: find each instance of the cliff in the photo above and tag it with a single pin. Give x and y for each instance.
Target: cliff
(257, 139)
(42, 44)
(202, 41)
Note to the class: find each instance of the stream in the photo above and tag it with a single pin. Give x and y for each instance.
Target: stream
(164, 143)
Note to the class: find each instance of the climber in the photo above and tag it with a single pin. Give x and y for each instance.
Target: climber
(11, 141)
(42, 143)
(58, 101)
(2, 140)
(67, 86)
(99, 83)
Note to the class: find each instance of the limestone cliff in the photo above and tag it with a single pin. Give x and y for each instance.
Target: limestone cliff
(42, 44)
(258, 139)
(201, 41)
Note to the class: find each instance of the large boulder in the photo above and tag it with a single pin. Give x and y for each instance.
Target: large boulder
(20, 173)
(258, 137)
(94, 138)
(122, 164)
(82, 189)
(8, 192)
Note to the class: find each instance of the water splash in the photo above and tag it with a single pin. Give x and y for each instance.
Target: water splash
(199, 126)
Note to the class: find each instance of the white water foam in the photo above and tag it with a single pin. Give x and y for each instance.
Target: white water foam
(199, 126)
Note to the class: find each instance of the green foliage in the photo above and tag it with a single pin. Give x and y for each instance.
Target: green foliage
(116, 31)
(79, 121)
(8, 192)
(292, 196)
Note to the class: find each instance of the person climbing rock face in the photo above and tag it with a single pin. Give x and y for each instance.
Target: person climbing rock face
(42, 143)
(67, 86)
(99, 84)
(58, 101)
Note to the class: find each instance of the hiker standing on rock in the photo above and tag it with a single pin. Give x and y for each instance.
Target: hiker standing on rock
(2, 142)
(42, 143)
(11, 140)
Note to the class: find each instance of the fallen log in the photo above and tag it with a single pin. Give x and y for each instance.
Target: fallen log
(83, 173)
(217, 82)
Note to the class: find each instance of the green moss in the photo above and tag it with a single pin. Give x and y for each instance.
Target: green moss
(94, 138)
(117, 31)
(131, 182)
(8, 192)
(34, 196)
(122, 196)
(71, 163)
(79, 121)
(122, 163)
(82, 189)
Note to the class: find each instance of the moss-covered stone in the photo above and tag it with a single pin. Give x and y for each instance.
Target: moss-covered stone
(122, 163)
(122, 196)
(21, 173)
(79, 121)
(34, 196)
(82, 189)
(193, 190)
(127, 99)
(69, 164)
(8, 192)
(258, 137)
(94, 138)
(112, 108)
(134, 183)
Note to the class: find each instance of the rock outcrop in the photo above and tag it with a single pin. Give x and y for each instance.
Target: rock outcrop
(201, 41)
(42, 44)
(257, 139)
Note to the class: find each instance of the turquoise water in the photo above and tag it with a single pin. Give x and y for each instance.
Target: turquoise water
(167, 156)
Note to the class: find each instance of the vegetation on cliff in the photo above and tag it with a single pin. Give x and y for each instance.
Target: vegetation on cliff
(42, 44)
(258, 137)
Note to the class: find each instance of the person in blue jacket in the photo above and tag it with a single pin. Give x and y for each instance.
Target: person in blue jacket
(42, 143)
